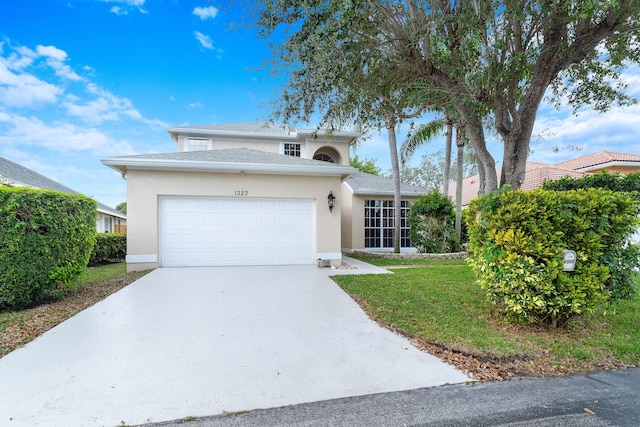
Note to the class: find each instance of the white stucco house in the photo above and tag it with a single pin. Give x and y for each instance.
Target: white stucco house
(255, 194)
(108, 220)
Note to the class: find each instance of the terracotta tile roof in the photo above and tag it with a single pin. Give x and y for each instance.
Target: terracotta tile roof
(535, 177)
(599, 158)
(536, 174)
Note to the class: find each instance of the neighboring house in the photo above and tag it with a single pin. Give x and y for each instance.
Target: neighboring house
(254, 194)
(108, 220)
(537, 173)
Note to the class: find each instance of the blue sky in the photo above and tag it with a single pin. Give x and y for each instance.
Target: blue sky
(81, 80)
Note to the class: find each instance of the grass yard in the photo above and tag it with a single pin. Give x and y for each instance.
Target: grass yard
(390, 262)
(444, 312)
(19, 327)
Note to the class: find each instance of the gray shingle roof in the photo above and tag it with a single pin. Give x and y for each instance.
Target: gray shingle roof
(236, 155)
(25, 176)
(367, 184)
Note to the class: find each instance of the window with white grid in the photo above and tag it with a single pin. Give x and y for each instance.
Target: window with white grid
(292, 149)
(379, 220)
(197, 144)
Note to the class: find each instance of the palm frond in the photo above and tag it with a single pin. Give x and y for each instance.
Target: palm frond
(422, 134)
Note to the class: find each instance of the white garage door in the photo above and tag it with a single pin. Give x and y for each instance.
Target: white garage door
(218, 231)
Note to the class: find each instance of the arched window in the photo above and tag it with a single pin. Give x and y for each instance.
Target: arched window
(324, 158)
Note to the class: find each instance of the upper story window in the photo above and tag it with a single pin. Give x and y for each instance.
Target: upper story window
(197, 144)
(324, 158)
(292, 149)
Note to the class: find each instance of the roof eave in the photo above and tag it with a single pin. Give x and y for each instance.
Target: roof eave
(112, 213)
(607, 165)
(372, 192)
(122, 165)
(232, 135)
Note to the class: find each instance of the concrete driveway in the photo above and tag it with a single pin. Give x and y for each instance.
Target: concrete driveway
(201, 341)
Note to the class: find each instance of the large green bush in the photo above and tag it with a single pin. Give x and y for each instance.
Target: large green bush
(621, 259)
(46, 238)
(432, 224)
(109, 247)
(516, 242)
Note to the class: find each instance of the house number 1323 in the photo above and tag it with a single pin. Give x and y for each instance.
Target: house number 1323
(241, 193)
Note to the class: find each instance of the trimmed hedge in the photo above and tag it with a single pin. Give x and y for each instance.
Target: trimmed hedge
(110, 247)
(516, 243)
(611, 181)
(432, 224)
(46, 239)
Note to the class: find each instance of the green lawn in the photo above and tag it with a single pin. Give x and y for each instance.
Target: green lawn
(385, 262)
(442, 306)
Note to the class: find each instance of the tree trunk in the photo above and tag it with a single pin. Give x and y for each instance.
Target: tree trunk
(395, 170)
(447, 157)
(474, 132)
(460, 141)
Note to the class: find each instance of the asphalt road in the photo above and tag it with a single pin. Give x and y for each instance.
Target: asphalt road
(609, 398)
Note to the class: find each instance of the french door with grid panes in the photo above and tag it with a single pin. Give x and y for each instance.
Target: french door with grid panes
(379, 224)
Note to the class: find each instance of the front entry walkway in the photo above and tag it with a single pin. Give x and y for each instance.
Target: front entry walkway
(200, 341)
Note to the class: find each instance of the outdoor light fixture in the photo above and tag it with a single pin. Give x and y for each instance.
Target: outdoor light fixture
(330, 199)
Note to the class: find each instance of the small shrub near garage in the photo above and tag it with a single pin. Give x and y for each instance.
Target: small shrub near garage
(109, 247)
(432, 224)
(516, 243)
(46, 239)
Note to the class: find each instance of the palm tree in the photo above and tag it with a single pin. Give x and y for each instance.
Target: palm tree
(424, 133)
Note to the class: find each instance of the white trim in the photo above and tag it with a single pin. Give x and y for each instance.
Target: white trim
(608, 164)
(329, 255)
(373, 192)
(113, 214)
(132, 259)
(296, 134)
(329, 169)
(350, 188)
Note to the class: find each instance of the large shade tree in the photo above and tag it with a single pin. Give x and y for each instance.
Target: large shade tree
(339, 80)
(482, 59)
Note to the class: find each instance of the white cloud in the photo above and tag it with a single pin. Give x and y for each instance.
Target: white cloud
(194, 105)
(124, 6)
(204, 40)
(615, 130)
(61, 137)
(22, 89)
(118, 10)
(205, 12)
(52, 52)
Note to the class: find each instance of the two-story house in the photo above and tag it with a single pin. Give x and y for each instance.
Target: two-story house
(255, 194)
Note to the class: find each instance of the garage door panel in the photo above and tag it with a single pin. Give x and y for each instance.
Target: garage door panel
(211, 231)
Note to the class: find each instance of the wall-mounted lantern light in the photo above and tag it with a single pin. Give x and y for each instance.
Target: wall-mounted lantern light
(330, 199)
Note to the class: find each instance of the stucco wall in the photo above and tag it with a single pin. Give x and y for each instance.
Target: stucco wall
(145, 187)
(346, 213)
